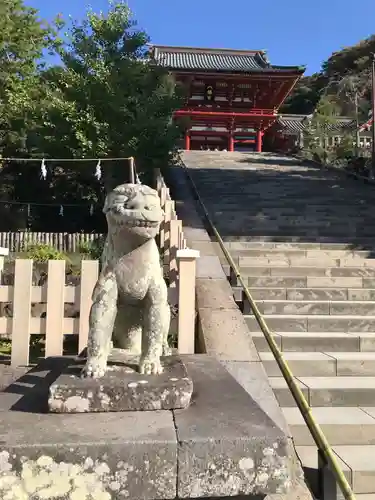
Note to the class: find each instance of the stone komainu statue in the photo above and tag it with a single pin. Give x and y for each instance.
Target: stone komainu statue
(130, 304)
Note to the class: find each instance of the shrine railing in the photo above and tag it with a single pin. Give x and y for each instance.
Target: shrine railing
(225, 112)
(179, 268)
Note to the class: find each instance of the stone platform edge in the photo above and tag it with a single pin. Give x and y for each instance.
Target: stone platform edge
(210, 449)
(221, 328)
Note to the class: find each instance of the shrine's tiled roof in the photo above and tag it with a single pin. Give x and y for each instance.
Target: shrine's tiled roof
(225, 60)
(293, 124)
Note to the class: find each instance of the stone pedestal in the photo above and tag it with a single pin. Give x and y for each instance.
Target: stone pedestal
(221, 445)
(122, 388)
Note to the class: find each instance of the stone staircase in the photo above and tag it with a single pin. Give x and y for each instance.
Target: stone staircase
(304, 240)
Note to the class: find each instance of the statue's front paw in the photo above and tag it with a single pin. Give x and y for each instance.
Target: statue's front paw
(150, 366)
(167, 351)
(94, 368)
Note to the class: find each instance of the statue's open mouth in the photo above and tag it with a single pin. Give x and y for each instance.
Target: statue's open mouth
(132, 220)
(140, 223)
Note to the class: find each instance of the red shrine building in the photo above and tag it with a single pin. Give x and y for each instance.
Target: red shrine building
(233, 96)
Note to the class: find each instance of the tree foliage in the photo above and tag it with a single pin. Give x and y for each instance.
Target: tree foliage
(345, 75)
(105, 99)
(23, 40)
(321, 129)
(305, 95)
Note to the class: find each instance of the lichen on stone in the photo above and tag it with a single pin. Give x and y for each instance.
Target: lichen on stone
(44, 479)
(260, 473)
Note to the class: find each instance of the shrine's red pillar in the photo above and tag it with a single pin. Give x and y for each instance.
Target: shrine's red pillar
(187, 141)
(230, 142)
(259, 141)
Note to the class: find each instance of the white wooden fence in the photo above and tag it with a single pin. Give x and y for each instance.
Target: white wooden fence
(179, 264)
(64, 242)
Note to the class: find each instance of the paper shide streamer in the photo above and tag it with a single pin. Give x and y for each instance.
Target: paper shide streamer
(44, 175)
(43, 170)
(98, 170)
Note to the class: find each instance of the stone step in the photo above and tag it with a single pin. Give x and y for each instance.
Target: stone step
(319, 364)
(316, 307)
(249, 232)
(366, 245)
(263, 211)
(297, 294)
(318, 341)
(356, 461)
(305, 219)
(288, 217)
(287, 210)
(241, 245)
(285, 201)
(259, 211)
(317, 227)
(261, 293)
(291, 215)
(360, 229)
(352, 242)
(328, 391)
(314, 323)
(271, 186)
(303, 262)
(310, 282)
(285, 213)
(304, 364)
(341, 426)
(295, 271)
(292, 253)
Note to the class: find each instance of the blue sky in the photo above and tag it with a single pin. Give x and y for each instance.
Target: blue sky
(292, 31)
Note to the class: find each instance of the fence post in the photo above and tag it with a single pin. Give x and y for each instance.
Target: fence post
(3, 253)
(55, 308)
(131, 171)
(186, 259)
(175, 229)
(167, 231)
(89, 276)
(156, 180)
(173, 210)
(163, 196)
(23, 273)
(181, 240)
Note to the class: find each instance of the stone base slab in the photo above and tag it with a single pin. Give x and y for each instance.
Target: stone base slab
(221, 445)
(122, 388)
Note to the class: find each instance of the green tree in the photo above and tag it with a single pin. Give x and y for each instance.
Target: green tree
(23, 39)
(305, 96)
(317, 132)
(105, 99)
(109, 99)
(347, 69)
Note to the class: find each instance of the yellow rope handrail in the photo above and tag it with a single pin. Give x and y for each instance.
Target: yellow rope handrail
(304, 407)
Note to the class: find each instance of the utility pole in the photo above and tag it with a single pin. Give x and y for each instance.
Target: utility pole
(373, 116)
(357, 138)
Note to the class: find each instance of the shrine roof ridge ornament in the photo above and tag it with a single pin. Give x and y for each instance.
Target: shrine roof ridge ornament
(212, 59)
